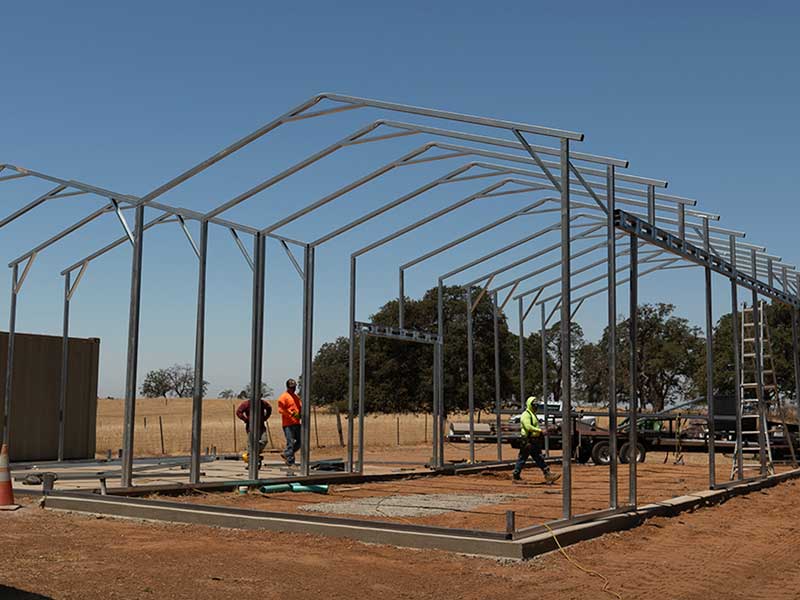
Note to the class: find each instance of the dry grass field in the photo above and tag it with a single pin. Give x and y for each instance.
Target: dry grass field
(222, 430)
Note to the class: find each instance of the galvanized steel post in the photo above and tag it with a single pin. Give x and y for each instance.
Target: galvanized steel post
(12, 327)
(545, 391)
(256, 355)
(199, 351)
(470, 376)
(441, 416)
(566, 341)
(351, 366)
(796, 359)
(521, 340)
(133, 351)
(612, 336)
(62, 391)
(709, 362)
(762, 417)
(362, 378)
(737, 375)
(634, 368)
(308, 357)
(497, 424)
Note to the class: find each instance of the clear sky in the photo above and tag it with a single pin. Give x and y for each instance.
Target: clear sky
(127, 95)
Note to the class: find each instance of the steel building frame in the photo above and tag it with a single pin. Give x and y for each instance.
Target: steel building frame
(679, 234)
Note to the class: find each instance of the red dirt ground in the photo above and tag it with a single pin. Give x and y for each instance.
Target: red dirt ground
(744, 549)
(538, 502)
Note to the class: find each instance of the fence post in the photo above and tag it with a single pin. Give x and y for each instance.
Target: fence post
(316, 427)
(161, 430)
(235, 443)
(339, 426)
(398, 430)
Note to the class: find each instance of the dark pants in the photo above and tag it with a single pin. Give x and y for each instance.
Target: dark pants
(531, 448)
(262, 442)
(292, 433)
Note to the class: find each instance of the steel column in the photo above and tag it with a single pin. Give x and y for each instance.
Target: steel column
(351, 365)
(709, 361)
(12, 327)
(401, 299)
(543, 340)
(762, 433)
(470, 376)
(566, 350)
(362, 378)
(442, 409)
(710, 380)
(521, 340)
(199, 351)
(62, 391)
(613, 500)
(133, 351)
(633, 409)
(435, 408)
(308, 357)
(796, 360)
(497, 377)
(737, 376)
(256, 354)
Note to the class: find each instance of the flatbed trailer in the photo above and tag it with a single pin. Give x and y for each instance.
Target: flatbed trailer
(676, 433)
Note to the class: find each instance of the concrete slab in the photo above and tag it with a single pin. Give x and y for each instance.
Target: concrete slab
(466, 542)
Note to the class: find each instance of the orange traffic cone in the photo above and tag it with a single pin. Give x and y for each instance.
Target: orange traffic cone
(6, 491)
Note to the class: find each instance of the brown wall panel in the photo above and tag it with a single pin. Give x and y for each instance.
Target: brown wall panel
(35, 393)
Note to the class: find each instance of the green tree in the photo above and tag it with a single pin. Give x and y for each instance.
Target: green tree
(156, 384)
(670, 354)
(399, 374)
(533, 360)
(266, 391)
(330, 373)
(226, 393)
(176, 381)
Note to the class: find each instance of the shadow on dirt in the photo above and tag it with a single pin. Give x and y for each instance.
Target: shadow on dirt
(10, 593)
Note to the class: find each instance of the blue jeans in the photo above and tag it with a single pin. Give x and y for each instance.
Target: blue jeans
(292, 433)
(531, 448)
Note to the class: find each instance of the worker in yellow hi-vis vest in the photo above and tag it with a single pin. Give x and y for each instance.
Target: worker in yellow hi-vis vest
(531, 444)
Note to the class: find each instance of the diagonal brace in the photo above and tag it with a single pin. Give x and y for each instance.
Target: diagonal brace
(243, 250)
(297, 266)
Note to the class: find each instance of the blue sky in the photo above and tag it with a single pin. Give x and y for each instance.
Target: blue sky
(126, 96)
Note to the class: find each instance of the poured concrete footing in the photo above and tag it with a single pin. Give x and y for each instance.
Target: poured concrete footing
(495, 544)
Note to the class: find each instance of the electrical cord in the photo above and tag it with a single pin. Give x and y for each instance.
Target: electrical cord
(575, 563)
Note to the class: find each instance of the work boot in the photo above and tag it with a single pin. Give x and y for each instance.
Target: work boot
(551, 477)
(515, 478)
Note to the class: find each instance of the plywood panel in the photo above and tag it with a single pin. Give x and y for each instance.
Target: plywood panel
(35, 396)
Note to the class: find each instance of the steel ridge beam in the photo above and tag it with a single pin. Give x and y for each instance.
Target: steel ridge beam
(298, 110)
(453, 116)
(414, 128)
(688, 251)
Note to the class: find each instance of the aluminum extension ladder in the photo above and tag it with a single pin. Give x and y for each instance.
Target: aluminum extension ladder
(751, 381)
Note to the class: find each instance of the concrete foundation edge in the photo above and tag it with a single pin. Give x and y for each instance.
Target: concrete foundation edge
(523, 548)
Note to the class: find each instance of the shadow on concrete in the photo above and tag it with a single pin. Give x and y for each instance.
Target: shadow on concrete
(10, 593)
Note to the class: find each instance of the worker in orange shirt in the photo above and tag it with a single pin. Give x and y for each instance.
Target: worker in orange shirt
(289, 406)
